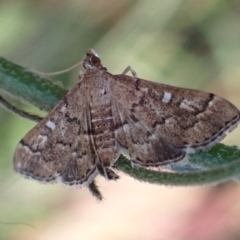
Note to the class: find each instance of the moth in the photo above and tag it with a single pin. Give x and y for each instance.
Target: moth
(105, 115)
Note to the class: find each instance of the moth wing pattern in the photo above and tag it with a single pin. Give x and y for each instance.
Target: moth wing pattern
(168, 121)
(59, 147)
(143, 146)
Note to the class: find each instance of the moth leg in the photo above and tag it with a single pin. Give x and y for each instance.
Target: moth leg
(8, 106)
(108, 173)
(111, 175)
(93, 188)
(129, 69)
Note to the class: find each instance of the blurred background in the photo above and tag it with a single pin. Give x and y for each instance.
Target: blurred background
(187, 43)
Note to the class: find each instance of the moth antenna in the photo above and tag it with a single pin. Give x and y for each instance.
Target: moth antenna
(58, 72)
(8, 106)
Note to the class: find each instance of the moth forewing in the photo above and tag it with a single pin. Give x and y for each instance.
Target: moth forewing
(105, 115)
(189, 119)
(59, 147)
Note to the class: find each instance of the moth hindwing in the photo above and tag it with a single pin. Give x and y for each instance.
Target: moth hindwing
(105, 115)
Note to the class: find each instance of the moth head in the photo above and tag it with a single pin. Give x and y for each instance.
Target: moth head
(92, 60)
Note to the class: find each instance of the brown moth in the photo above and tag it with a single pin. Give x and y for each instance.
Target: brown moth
(105, 115)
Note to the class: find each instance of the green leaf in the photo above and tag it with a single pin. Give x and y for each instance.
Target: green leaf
(23, 84)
